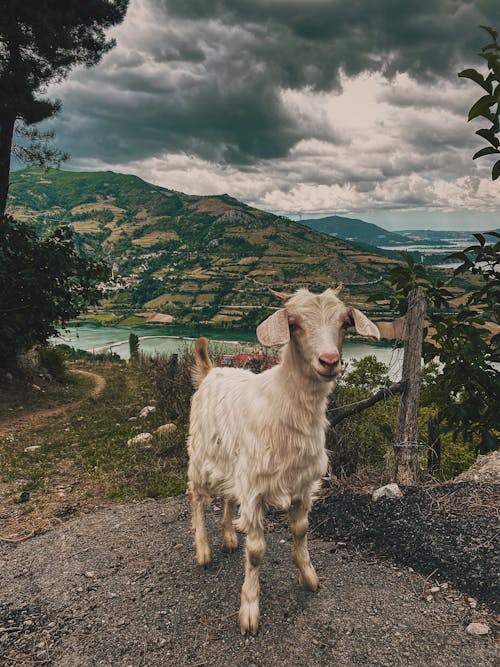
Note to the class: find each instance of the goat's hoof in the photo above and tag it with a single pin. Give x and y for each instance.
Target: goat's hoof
(249, 618)
(203, 555)
(229, 543)
(309, 580)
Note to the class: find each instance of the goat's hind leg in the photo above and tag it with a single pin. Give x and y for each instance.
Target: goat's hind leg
(299, 524)
(199, 502)
(250, 593)
(229, 536)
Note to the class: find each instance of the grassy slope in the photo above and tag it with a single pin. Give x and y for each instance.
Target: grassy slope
(84, 458)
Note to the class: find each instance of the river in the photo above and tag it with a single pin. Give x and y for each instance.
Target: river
(94, 338)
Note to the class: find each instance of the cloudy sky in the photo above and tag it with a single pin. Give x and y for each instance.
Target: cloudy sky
(301, 107)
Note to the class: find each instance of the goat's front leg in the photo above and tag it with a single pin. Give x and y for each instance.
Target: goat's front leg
(250, 592)
(299, 523)
(199, 502)
(229, 536)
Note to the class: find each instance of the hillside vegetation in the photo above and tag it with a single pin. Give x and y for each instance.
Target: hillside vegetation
(355, 230)
(198, 258)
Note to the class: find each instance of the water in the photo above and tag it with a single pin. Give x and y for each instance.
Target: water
(94, 338)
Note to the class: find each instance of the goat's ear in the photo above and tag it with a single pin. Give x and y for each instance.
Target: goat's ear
(274, 330)
(364, 326)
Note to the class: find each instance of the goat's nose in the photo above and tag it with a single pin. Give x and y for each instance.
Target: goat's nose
(329, 359)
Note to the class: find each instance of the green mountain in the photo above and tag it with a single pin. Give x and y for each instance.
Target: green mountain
(197, 258)
(358, 231)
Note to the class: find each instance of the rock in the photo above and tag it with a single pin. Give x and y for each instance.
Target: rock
(146, 411)
(477, 629)
(32, 448)
(36, 387)
(435, 589)
(132, 419)
(166, 428)
(90, 574)
(24, 497)
(387, 491)
(139, 439)
(485, 469)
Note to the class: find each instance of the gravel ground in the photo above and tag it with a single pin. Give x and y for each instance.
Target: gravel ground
(119, 587)
(452, 530)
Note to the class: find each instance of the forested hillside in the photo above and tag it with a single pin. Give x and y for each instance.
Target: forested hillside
(199, 258)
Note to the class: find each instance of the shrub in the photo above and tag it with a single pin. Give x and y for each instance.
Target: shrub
(52, 360)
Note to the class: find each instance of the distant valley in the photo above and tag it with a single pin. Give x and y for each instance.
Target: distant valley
(426, 245)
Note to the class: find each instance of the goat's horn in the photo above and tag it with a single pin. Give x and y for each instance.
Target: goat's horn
(339, 288)
(284, 296)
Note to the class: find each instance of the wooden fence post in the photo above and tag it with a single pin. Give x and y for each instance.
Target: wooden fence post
(406, 440)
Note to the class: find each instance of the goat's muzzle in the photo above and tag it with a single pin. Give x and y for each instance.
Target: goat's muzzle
(329, 365)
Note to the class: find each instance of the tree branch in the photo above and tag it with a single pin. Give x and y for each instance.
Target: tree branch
(353, 409)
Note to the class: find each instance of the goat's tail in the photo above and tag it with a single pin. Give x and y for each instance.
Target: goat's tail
(203, 364)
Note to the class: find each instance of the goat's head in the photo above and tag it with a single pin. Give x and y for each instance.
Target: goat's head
(314, 325)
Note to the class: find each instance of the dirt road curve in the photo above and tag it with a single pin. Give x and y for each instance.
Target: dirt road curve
(36, 417)
(119, 587)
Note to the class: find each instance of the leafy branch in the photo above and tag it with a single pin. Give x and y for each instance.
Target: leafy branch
(488, 106)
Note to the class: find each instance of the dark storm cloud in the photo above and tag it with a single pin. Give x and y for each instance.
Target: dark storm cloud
(310, 40)
(205, 77)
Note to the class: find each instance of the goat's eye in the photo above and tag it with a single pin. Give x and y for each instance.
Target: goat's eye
(295, 328)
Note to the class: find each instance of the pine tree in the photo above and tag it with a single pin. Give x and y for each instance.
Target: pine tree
(39, 44)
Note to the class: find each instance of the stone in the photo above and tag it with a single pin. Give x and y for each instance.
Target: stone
(485, 469)
(387, 491)
(164, 429)
(140, 439)
(477, 629)
(33, 448)
(146, 411)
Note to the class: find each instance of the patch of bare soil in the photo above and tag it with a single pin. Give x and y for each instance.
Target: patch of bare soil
(450, 530)
(120, 588)
(36, 417)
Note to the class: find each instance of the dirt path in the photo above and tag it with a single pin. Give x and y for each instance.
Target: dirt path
(119, 588)
(33, 419)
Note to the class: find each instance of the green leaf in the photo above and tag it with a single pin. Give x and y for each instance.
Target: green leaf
(490, 31)
(495, 172)
(481, 107)
(489, 135)
(477, 77)
(492, 45)
(485, 151)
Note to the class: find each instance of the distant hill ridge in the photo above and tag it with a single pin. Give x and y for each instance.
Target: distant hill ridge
(355, 230)
(199, 258)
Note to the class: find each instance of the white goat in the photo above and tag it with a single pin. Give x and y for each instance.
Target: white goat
(259, 440)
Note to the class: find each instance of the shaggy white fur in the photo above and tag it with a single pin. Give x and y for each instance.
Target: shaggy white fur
(259, 440)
